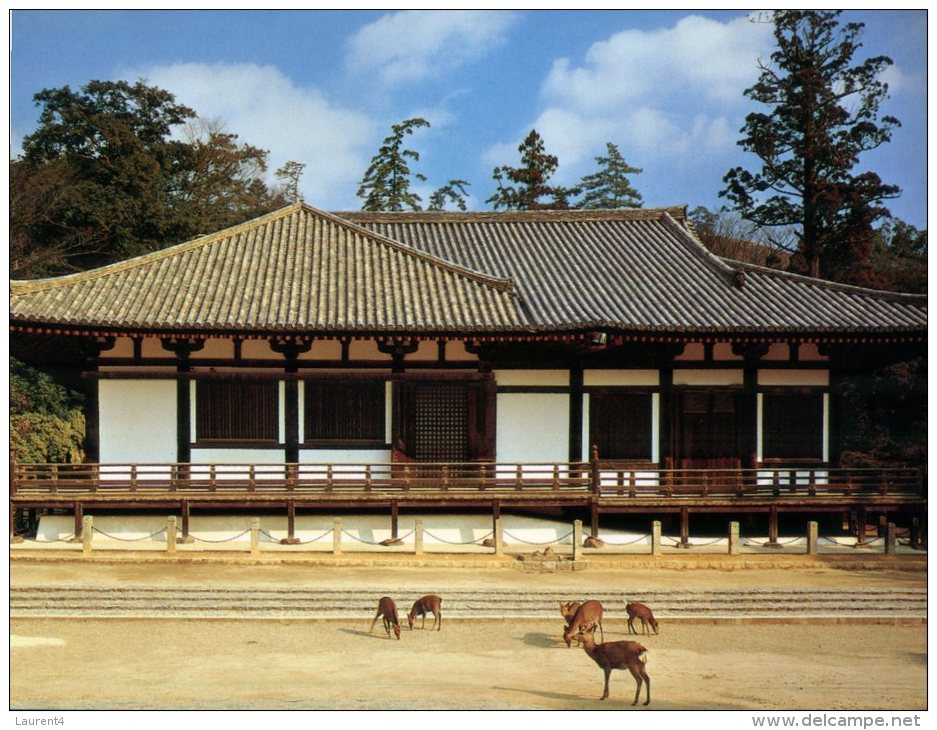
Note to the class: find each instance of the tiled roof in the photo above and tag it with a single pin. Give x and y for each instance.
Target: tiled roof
(642, 270)
(302, 270)
(296, 270)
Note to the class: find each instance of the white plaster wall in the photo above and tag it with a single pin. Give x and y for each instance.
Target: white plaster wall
(344, 456)
(532, 378)
(137, 421)
(532, 427)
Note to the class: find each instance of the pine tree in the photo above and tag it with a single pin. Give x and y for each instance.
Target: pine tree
(823, 114)
(530, 182)
(453, 191)
(290, 174)
(386, 183)
(610, 187)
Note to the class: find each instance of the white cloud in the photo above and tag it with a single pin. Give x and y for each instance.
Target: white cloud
(267, 110)
(417, 44)
(661, 95)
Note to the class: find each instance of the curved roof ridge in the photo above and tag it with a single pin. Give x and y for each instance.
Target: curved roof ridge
(504, 284)
(695, 246)
(26, 286)
(827, 284)
(475, 216)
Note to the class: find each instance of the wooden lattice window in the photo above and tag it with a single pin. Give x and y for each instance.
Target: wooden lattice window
(345, 412)
(237, 412)
(792, 426)
(620, 425)
(441, 423)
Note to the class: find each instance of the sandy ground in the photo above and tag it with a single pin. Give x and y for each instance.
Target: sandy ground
(478, 665)
(159, 664)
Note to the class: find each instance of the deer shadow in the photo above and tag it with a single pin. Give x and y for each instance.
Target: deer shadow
(544, 641)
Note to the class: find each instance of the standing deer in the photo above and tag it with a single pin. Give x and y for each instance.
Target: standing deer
(628, 655)
(388, 609)
(640, 611)
(422, 606)
(587, 616)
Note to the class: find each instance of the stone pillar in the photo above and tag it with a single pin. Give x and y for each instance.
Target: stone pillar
(891, 542)
(655, 537)
(418, 538)
(87, 529)
(733, 538)
(337, 537)
(171, 534)
(255, 536)
(499, 537)
(813, 538)
(577, 539)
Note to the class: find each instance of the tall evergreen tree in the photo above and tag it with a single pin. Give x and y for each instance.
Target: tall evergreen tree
(527, 187)
(107, 175)
(610, 187)
(823, 114)
(386, 183)
(289, 174)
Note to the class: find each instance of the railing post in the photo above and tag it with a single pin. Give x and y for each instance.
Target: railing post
(813, 538)
(337, 536)
(655, 537)
(79, 522)
(733, 538)
(891, 542)
(171, 534)
(577, 539)
(255, 536)
(87, 532)
(418, 538)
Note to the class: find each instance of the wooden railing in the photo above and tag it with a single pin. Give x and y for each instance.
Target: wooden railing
(634, 480)
(299, 478)
(604, 480)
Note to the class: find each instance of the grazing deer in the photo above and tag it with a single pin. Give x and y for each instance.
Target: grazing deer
(388, 609)
(422, 606)
(628, 655)
(568, 610)
(640, 611)
(587, 616)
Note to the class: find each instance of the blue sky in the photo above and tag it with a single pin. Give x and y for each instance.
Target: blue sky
(324, 87)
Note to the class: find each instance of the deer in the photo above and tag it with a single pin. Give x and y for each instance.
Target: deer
(628, 655)
(640, 611)
(587, 616)
(568, 610)
(388, 609)
(422, 606)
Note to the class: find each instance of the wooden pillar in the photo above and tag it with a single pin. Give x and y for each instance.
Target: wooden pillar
(773, 528)
(183, 349)
(291, 349)
(684, 528)
(186, 538)
(595, 477)
(666, 426)
(290, 538)
(393, 519)
(891, 539)
(79, 519)
(575, 412)
(495, 515)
